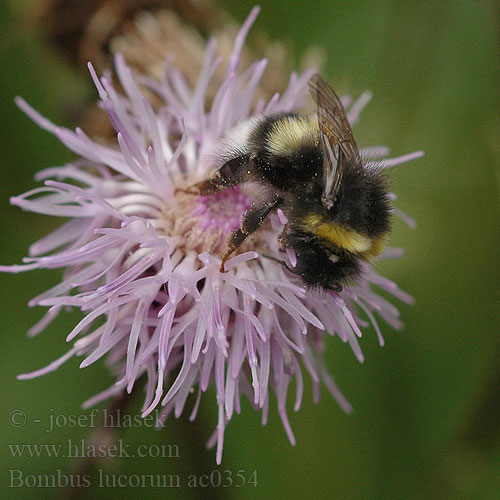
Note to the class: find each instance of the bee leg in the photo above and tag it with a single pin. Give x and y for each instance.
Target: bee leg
(252, 220)
(336, 287)
(282, 239)
(231, 173)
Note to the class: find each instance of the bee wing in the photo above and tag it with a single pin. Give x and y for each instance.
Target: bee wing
(337, 141)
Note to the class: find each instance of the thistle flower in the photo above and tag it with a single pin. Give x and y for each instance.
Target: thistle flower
(142, 261)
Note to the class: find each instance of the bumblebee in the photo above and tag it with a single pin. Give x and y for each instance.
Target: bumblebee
(338, 209)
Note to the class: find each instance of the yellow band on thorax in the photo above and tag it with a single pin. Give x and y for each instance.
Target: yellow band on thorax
(290, 133)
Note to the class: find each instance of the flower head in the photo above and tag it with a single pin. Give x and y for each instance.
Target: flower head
(141, 260)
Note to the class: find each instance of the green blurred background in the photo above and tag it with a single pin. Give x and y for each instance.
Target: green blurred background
(427, 405)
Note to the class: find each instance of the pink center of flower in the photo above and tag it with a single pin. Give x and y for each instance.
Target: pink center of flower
(221, 211)
(204, 223)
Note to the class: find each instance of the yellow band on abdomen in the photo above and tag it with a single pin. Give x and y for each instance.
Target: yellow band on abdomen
(344, 237)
